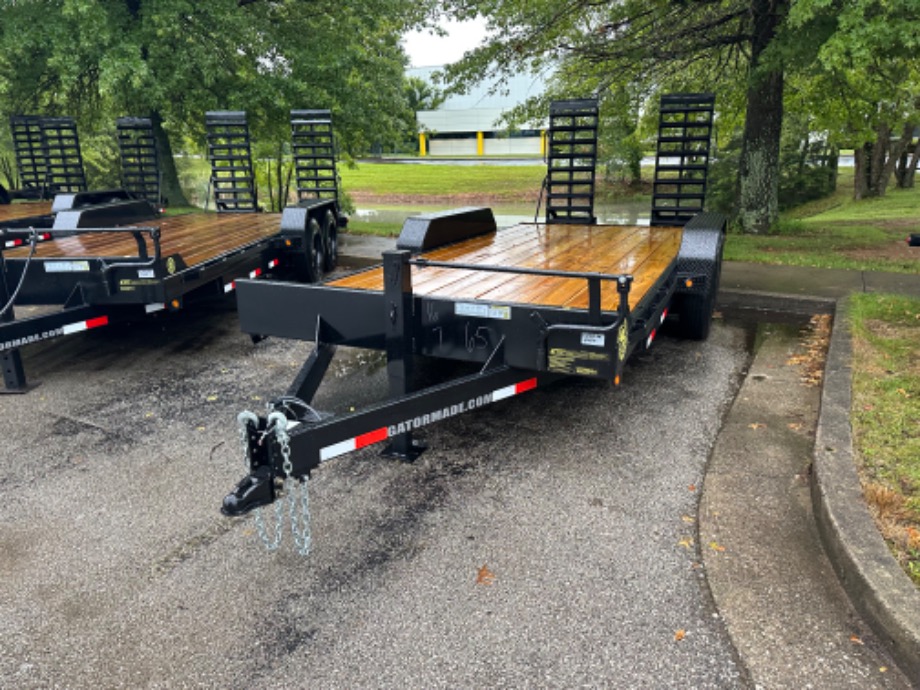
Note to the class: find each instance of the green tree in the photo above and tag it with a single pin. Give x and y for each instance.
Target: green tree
(863, 85)
(175, 59)
(747, 46)
(421, 95)
(630, 44)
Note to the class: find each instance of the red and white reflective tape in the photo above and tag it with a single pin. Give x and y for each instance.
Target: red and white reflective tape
(516, 389)
(651, 336)
(352, 444)
(383, 433)
(85, 325)
(9, 244)
(228, 287)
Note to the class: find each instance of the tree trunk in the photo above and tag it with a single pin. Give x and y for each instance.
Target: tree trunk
(758, 173)
(170, 189)
(906, 175)
(861, 158)
(875, 162)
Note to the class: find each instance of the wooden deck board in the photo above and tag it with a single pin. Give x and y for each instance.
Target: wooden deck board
(195, 237)
(641, 251)
(24, 210)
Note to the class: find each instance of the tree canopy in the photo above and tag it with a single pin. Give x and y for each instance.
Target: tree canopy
(175, 59)
(761, 54)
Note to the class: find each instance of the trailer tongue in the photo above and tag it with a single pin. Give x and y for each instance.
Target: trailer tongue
(529, 305)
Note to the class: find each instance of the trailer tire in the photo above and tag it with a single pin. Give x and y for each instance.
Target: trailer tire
(331, 240)
(315, 252)
(4, 195)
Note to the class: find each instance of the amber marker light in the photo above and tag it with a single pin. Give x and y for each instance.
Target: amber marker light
(175, 304)
(288, 243)
(616, 380)
(688, 283)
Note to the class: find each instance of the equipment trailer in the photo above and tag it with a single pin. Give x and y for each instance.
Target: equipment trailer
(530, 304)
(102, 274)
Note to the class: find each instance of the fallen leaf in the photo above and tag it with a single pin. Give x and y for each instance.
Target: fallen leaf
(679, 635)
(485, 576)
(692, 487)
(200, 428)
(855, 640)
(715, 546)
(757, 425)
(903, 392)
(686, 542)
(882, 669)
(148, 415)
(795, 426)
(211, 398)
(686, 518)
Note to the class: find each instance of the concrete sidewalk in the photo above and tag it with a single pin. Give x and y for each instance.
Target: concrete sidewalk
(878, 589)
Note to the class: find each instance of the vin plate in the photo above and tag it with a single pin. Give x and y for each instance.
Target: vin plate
(592, 339)
(66, 266)
(482, 311)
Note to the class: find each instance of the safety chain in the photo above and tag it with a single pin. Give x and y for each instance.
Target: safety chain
(300, 520)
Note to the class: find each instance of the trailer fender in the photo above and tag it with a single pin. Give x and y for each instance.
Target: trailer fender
(699, 267)
(430, 230)
(700, 254)
(307, 247)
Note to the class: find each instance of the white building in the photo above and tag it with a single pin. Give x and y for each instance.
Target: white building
(468, 125)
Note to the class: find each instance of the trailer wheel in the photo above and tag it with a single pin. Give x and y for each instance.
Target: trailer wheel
(315, 252)
(331, 237)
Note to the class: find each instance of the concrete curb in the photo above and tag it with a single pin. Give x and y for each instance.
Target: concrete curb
(773, 303)
(878, 588)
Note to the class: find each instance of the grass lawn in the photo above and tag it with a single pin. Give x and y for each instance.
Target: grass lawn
(886, 417)
(838, 232)
(429, 180)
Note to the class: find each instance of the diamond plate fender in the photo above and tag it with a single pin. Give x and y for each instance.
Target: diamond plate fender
(700, 257)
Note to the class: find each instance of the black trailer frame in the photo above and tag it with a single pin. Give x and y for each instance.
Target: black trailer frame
(519, 346)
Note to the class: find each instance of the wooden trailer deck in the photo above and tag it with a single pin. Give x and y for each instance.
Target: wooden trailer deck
(196, 237)
(17, 211)
(642, 251)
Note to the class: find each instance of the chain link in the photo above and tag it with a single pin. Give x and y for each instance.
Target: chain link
(300, 520)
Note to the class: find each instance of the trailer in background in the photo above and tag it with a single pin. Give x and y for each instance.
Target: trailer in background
(98, 273)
